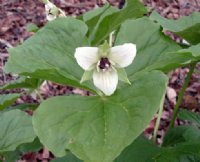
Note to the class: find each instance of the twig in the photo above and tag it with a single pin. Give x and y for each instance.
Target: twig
(3, 55)
(3, 74)
(197, 3)
(6, 43)
(78, 5)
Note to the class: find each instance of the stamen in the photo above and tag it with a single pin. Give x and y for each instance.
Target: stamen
(104, 63)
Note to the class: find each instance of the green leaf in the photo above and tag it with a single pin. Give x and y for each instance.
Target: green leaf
(23, 82)
(7, 100)
(32, 146)
(49, 54)
(15, 155)
(31, 27)
(97, 129)
(194, 50)
(186, 152)
(132, 9)
(181, 134)
(94, 24)
(190, 116)
(94, 17)
(141, 150)
(16, 128)
(11, 156)
(150, 43)
(95, 13)
(25, 106)
(187, 27)
(172, 60)
(68, 158)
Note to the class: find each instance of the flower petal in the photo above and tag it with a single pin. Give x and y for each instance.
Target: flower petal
(86, 56)
(106, 81)
(123, 55)
(51, 10)
(50, 17)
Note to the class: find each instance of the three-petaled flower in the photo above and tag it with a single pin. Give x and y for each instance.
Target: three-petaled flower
(52, 12)
(105, 64)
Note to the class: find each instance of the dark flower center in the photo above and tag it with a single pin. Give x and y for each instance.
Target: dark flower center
(104, 63)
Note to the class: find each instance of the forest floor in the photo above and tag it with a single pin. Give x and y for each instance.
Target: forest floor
(16, 14)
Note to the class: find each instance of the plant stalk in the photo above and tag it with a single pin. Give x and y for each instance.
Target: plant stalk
(1, 158)
(157, 123)
(111, 38)
(39, 95)
(180, 96)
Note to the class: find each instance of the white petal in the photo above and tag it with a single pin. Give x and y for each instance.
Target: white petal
(50, 17)
(123, 55)
(86, 56)
(106, 81)
(61, 13)
(49, 6)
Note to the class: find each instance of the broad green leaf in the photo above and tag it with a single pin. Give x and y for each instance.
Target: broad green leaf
(186, 152)
(23, 82)
(95, 13)
(194, 50)
(150, 43)
(94, 24)
(187, 27)
(30, 147)
(11, 156)
(16, 128)
(172, 60)
(141, 150)
(97, 129)
(7, 100)
(190, 116)
(181, 134)
(49, 54)
(68, 158)
(94, 17)
(132, 9)
(169, 61)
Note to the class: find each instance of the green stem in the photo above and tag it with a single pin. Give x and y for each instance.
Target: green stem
(157, 123)
(180, 96)
(39, 95)
(45, 1)
(1, 158)
(111, 38)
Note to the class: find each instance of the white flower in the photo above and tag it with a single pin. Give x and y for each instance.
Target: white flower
(52, 12)
(105, 65)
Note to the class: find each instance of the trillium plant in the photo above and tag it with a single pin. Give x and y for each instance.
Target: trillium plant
(125, 75)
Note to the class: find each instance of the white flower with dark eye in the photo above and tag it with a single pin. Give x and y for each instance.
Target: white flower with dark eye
(52, 12)
(105, 64)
